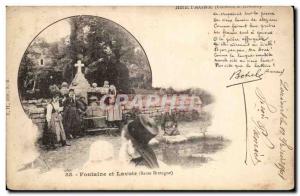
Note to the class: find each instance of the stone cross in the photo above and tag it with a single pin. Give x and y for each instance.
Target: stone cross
(79, 65)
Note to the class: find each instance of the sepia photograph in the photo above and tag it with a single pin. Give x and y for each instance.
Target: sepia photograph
(150, 98)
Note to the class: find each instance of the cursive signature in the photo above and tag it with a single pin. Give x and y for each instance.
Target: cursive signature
(263, 100)
(239, 74)
(261, 128)
(255, 155)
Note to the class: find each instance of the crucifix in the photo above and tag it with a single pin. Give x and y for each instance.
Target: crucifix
(79, 65)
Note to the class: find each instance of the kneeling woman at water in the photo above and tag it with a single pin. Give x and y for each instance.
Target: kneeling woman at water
(54, 120)
(135, 138)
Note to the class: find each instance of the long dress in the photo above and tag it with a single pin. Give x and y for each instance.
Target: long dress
(114, 112)
(114, 109)
(55, 122)
(71, 117)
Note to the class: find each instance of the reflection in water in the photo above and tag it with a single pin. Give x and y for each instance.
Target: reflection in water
(191, 153)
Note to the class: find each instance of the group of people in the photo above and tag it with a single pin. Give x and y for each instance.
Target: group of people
(63, 117)
(66, 110)
(134, 151)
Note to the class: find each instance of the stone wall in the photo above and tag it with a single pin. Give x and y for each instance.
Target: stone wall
(36, 110)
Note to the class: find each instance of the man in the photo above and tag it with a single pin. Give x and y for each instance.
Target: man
(135, 138)
(71, 117)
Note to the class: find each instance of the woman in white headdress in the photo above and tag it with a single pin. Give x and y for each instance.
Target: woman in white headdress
(54, 120)
(105, 88)
(114, 110)
(112, 90)
(101, 155)
(64, 90)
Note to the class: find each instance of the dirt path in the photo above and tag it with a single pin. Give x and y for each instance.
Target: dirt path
(76, 155)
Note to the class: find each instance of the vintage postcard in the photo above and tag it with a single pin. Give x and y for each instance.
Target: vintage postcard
(150, 98)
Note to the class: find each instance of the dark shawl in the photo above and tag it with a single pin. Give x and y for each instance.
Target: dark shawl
(148, 157)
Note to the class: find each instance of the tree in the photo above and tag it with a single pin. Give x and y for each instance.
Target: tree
(106, 49)
(101, 45)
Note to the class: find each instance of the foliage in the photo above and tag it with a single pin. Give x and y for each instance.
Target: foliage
(106, 49)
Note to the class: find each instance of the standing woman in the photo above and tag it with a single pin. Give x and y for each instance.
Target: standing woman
(114, 109)
(54, 119)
